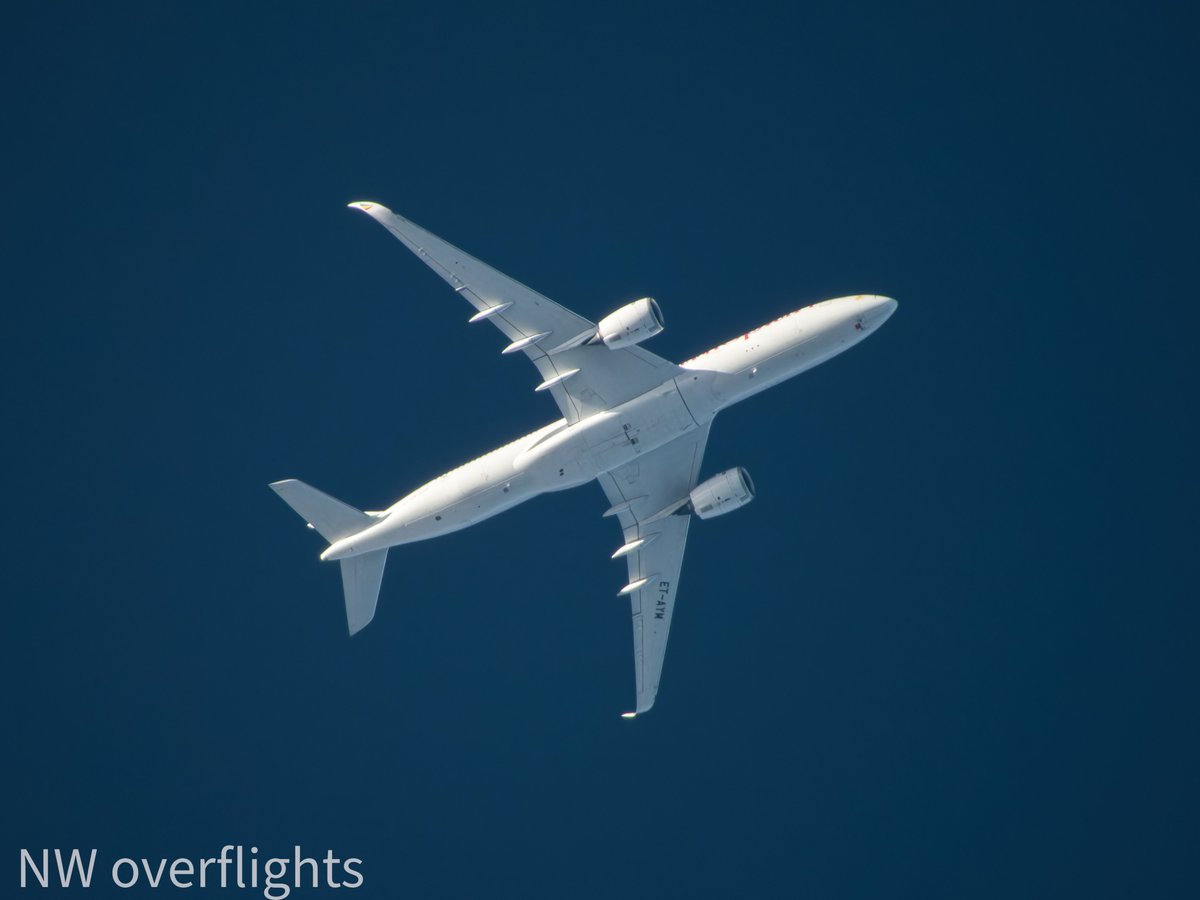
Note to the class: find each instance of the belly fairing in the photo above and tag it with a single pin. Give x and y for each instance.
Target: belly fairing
(606, 440)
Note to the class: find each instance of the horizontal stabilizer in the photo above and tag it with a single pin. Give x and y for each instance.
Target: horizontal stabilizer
(361, 578)
(332, 518)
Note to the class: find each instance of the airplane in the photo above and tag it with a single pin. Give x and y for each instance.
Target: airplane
(631, 420)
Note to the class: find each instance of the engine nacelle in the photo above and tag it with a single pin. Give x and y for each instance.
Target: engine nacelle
(629, 325)
(722, 493)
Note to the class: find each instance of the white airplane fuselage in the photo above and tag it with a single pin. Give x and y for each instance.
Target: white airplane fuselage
(560, 456)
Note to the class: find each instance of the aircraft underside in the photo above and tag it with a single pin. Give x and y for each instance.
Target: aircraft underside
(631, 420)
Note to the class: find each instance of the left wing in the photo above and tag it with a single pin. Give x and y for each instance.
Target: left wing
(645, 495)
(582, 379)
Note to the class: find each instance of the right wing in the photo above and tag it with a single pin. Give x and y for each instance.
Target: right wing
(582, 379)
(646, 495)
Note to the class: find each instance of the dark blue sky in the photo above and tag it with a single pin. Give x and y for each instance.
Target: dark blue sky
(950, 651)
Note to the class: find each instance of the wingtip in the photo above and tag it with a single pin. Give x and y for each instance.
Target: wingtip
(370, 207)
(629, 715)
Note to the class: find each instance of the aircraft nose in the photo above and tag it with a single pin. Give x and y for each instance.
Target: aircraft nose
(879, 312)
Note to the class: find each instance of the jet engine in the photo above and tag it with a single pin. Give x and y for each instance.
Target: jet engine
(629, 325)
(722, 493)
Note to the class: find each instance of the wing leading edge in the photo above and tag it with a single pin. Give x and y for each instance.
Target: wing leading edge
(642, 495)
(582, 379)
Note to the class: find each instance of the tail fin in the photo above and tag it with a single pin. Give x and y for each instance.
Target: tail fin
(334, 520)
